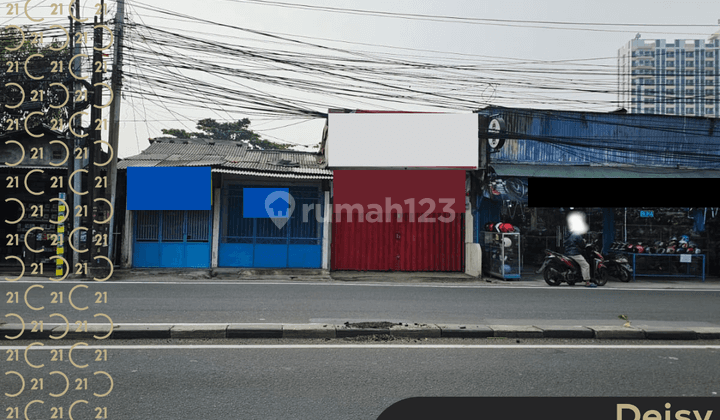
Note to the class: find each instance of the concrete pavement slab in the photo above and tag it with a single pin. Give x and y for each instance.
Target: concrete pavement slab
(465, 331)
(255, 331)
(308, 331)
(617, 332)
(516, 331)
(199, 331)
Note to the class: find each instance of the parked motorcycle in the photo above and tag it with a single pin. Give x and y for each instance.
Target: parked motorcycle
(618, 266)
(558, 268)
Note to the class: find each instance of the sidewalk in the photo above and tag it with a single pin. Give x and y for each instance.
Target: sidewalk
(528, 278)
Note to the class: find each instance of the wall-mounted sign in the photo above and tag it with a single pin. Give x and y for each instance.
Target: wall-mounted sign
(496, 126)
(403, 140)
(647, 213)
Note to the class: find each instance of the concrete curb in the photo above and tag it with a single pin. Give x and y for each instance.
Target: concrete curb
(660, 333)
(308, 331)
(516, 331)
(465, 331)
(255, 331)
(567, 332)
(59, 332)
(618, 332)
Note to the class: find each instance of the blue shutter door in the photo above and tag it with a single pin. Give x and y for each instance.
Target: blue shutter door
(172, 239)
(259, 243)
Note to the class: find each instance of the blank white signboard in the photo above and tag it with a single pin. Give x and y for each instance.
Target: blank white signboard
(377, 140)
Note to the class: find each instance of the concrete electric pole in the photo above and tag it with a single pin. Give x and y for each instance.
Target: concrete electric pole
(113, 136)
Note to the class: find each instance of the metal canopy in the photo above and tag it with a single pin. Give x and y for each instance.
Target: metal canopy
(562, 171)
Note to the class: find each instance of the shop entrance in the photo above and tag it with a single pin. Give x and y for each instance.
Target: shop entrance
(172, 238)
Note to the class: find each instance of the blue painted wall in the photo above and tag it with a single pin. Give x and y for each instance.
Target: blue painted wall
(487, 211)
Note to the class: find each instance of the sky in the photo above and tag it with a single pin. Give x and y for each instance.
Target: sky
(498, 47)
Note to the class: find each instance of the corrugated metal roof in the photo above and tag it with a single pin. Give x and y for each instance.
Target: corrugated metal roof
(151, 156)
(62, 167)
(567, 171)
(273, 175)
(123, 164)
(574, 138)
(232, 155)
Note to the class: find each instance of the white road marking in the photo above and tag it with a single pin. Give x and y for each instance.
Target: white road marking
(375, 346)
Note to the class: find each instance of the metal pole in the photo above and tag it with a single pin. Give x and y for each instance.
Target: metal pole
(69, 221)
(94, 172)
(625, 227)
(113, 135)
(77, 180)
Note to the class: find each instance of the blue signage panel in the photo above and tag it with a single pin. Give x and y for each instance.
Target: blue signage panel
(267, 202)
(169, 188)
(647, 213)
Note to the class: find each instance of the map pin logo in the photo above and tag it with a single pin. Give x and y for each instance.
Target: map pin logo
(279, 205)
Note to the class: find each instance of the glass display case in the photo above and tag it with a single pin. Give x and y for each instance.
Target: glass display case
(501, 255)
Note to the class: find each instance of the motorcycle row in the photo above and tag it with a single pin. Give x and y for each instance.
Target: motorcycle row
(558, 268)
(673, 246)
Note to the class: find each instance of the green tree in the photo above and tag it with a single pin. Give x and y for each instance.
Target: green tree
(233, 131)
(31, 86)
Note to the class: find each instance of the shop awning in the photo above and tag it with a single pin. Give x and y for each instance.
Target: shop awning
(562, 171)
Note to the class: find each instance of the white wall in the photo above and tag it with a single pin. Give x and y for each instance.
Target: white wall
(403, 140)
(127, 240)
(216, 227)
(473, 252)
(326, 232)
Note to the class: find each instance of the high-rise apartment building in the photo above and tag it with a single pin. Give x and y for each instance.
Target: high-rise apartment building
(675, 78)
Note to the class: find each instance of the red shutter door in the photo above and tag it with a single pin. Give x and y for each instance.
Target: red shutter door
(398, 245)
(419, 240)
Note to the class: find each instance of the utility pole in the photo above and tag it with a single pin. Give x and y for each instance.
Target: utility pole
(94, 172)
(68, 219)
(113, 139)
(77, 143)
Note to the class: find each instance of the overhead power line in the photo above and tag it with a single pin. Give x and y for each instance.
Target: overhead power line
(576, 26)
(277, 76)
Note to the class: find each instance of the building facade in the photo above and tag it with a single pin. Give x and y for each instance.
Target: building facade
(224, 236)
(538, 144)
(399, 190)
(657, 76)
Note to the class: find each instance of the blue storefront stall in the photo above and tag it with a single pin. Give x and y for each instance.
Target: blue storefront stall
(172, 238)
(259, 243)
(223, 236)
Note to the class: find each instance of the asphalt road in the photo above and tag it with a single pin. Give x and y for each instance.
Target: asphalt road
(343, 379)
(302, 302)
